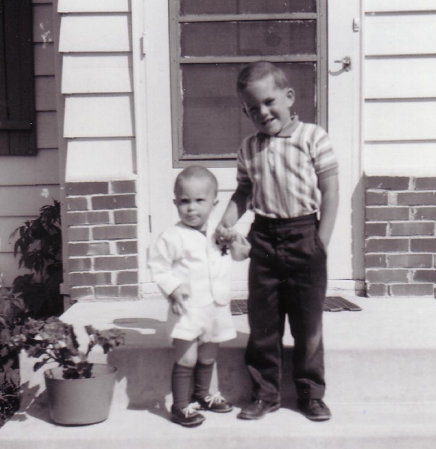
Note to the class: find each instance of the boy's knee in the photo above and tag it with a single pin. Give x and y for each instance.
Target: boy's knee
(206, 361)
(186, 363)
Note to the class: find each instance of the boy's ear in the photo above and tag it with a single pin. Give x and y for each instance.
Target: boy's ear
(244, 111)
(175, 202)
(290, 93)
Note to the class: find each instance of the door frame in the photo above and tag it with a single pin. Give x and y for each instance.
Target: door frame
(345, 19)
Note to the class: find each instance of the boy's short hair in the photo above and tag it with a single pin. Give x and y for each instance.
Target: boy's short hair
(259, 70)
(196, 171)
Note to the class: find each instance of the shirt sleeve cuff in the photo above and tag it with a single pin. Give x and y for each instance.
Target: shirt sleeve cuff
(329, 172)
(167, 283)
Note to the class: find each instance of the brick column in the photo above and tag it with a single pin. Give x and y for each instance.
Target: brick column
(102, 240)
(400, 242)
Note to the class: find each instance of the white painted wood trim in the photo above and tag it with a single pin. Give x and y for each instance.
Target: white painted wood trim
(400, 159)
(400, 120)
(98, 116)
(99, 160)
(407, 34)
(398, 5)
(397, 78)
(142, 144)
(94, 33)
(69, 6)
(344, 127)
(96, 73)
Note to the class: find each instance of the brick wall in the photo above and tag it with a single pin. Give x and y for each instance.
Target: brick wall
(400, 240)
(102, 240)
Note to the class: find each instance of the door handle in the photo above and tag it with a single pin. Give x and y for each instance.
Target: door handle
(346, 63)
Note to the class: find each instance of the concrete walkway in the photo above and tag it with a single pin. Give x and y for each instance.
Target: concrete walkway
(380, 364)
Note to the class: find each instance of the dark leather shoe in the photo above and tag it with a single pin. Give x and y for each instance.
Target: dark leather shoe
(257, 409)
(213, 403)
(314, 409)
(188, 416)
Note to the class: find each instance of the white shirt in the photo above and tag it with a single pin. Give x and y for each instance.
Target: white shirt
(183, 255)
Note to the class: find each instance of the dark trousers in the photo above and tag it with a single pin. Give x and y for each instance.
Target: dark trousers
(287, 277)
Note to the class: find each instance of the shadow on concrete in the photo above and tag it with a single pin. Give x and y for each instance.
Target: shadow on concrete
(32, 404)
(145, 363)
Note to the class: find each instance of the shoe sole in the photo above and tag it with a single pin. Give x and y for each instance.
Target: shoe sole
(271, 409)
(193, 424)
(217, 411)
(316, 418)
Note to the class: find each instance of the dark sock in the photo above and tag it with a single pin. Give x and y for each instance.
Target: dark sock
(181, 383)
(202, 379)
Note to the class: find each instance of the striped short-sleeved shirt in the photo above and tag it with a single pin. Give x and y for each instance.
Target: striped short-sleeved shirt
(279, 175)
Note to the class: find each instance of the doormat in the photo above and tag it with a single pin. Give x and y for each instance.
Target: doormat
(337, 304)
(332, 304)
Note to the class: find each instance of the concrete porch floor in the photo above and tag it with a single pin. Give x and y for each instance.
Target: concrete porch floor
(380, 365)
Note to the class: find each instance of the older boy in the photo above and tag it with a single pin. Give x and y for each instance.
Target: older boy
(287, 174)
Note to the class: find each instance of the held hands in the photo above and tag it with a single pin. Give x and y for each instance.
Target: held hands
(240, 248)
(228, 239)
(224, 237)
(177, 299)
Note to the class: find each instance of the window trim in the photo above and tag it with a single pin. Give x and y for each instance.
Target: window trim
(176, 60)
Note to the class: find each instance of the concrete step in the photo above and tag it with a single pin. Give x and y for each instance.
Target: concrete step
(386, 352)
(380, 366)
(353, 426)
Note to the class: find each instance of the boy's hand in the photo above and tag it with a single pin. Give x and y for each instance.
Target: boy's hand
(224, 237)
(177, 299)
(240, 248)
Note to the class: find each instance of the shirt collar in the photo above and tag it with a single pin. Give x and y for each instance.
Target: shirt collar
(292, 127)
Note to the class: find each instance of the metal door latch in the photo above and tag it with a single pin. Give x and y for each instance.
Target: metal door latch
(346, 63)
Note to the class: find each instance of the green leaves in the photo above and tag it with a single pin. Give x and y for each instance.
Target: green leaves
(39, 247)
(53, 340)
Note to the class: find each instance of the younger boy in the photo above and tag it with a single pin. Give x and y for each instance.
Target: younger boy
(190, 269)
(287, 174)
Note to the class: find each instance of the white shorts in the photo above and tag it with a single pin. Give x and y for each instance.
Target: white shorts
(212, 323)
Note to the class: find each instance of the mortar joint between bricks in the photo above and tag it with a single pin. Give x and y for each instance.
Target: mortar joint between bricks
(111, 217)
(114, 275)
(412, 183)
(392, 198)
(113, 247)
(412, 213)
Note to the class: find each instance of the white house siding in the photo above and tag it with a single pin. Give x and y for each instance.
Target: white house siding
(29, 182)
(95, 47)
(399, 146)
(400, 93)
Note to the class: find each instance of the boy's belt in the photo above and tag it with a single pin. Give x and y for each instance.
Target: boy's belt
(301, 220)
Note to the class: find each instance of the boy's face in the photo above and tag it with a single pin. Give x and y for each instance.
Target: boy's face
(195, 199)
(268, 106)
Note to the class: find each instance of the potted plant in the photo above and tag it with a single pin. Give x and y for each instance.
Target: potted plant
(79, 392)
(12, 315)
